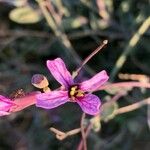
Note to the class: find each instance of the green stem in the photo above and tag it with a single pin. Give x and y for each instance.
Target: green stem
(61, 35)
(132, 43)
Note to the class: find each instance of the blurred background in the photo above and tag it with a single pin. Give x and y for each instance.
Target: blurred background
(33, 31)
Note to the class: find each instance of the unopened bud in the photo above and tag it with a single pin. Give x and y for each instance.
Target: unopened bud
(39, 81)
(105, 42)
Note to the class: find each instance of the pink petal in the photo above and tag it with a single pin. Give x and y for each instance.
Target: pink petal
(25, 101)
(90, 104)
(58, 69)
(95, 82)
(3, 113)
(5, 104)
(52, 99)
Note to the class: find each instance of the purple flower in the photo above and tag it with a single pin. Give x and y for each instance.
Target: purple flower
(72, 92)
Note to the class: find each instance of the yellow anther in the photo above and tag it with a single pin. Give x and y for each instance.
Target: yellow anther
(75, 92)
(72, 93)
(80, 93)
(74, 88)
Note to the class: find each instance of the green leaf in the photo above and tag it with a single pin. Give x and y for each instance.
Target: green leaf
(25, 15)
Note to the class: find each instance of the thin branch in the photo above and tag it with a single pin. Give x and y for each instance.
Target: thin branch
(131, 44)
(117, 96)
(20, 33)
(62, 135)
(55, 15)
(91, 55)
(86, 135)
(125, 85)
(102, 9)
(89, 32)
(133, 106)
(83, 132)
(61, 35)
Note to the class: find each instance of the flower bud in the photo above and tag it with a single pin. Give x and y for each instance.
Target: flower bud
(39, 81)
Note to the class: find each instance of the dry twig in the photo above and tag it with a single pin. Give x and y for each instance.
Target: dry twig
(83, 132)
(125, 84)
(62, 135)
(133, 107)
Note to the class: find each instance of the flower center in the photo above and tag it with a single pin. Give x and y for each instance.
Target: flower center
(75, 92)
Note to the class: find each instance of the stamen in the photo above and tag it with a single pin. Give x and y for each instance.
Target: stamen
(74, 88)
(75, 92)
(72, 93)
(80, 93)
